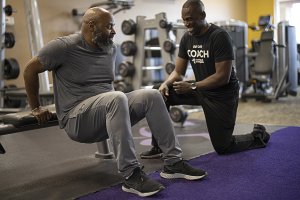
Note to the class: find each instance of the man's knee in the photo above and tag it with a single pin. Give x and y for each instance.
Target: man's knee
(118, 98)
(150, 94)
(222, 148)
(221, 151)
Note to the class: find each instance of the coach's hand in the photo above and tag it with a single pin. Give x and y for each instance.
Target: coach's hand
(181, 87)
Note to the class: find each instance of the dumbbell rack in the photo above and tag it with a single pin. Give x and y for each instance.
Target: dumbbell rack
(9, 68)
(141, 26)
(144, 24)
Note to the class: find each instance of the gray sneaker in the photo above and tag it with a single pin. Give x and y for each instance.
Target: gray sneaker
(138, 183)
(182, 169)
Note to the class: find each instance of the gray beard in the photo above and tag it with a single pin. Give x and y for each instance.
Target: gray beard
(105, 44)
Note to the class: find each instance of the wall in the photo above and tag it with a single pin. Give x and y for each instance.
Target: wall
(56, 20)
(256, 8)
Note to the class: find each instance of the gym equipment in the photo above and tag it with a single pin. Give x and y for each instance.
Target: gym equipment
(169, 46)
(180, 113)
(128, 48)
(36, 38)
(8, 10)
(126, 68)
(291, 53)
(170, 66)
(164, 24)
(142, 28)
(122, 86)
(24, 121)
(9, 40)
(12, 102)
(11, 69)
(238, 31)
(274, 72)
(117, 5)
(128, 27)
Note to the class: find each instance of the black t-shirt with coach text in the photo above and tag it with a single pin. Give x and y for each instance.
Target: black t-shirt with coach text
(206, 50)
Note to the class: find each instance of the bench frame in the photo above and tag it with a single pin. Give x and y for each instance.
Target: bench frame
(5, 129)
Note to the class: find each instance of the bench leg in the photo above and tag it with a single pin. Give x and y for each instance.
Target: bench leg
(103, 150)
(2, 150)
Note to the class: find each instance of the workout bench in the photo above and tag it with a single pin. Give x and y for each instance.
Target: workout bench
(24, 121)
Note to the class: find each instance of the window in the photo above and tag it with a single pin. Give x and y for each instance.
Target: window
(290, 11)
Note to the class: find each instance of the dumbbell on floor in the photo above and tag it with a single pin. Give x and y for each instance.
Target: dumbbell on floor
(179, 114)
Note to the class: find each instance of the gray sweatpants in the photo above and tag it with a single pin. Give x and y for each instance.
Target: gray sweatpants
(111, 115)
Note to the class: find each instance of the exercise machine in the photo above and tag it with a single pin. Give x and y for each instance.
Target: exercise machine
(114, 6)
(238, 31)
(274, 73)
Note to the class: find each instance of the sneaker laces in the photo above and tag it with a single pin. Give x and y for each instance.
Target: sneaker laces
(138, 174)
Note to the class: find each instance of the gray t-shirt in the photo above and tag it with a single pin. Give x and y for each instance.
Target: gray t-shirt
(79, 71)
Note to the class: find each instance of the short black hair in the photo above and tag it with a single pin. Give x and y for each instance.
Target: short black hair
(189, 3)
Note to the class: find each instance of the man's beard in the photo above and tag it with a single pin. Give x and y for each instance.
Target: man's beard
(102, 42)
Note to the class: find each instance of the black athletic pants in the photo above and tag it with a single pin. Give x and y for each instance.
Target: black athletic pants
(220, 115)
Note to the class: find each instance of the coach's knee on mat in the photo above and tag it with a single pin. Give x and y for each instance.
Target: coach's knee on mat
(221, 150)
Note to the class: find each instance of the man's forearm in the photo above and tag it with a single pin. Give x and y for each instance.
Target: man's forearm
(174, 76)
(32, 88)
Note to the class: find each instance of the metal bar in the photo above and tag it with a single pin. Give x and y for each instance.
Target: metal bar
(152, 67)
(2, 31)
(103, 150)
(36, 38)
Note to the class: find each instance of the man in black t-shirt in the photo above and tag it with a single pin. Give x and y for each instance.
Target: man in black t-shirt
(208, 49)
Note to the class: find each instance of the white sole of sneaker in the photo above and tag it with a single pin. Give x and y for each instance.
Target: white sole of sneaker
(177, 175)
(131, 190)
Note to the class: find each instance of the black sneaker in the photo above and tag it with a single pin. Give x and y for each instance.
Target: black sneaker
(155, 152)
(138, 183)
(182, 169)
(260, 131)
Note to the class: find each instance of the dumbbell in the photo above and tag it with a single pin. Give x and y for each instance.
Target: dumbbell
(8, 10)
(11, 102)
(164, 24)
(9, 40)
(128, 48)
(179, 114)
(128, 27)
(75, 12)
(169, 67)
(122, 86)
(11, 69)
(126, 68)
(169, 46)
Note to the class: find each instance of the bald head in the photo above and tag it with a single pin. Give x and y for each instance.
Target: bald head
(195, 3)
(94, 14)
(98, 26)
